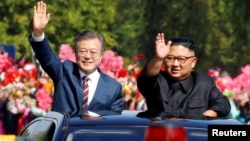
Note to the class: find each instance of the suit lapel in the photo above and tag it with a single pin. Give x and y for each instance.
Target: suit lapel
(78, 87)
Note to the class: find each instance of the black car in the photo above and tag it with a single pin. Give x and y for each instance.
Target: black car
(128, 126)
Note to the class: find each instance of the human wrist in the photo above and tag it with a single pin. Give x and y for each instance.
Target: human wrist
(38, 33)
(157, 59)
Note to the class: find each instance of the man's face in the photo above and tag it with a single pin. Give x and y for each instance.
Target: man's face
(179, 62)
(88, 55)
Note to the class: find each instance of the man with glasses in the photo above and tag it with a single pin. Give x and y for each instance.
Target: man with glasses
(103, 94)
(173, 89)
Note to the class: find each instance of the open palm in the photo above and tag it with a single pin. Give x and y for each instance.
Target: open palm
(161, 48)
(41, 18)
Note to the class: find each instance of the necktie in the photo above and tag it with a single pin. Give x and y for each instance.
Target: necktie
(85, 96)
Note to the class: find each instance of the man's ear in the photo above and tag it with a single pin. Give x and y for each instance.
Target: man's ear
(194, 61)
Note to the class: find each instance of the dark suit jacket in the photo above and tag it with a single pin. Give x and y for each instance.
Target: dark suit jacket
(198, 96)
(107, 99)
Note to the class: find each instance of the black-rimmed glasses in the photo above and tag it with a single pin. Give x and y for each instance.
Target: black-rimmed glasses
(180, 59)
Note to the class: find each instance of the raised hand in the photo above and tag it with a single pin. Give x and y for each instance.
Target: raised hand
(40, 18)
(161, 48)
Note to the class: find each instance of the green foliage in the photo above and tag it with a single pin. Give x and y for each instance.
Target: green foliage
(128, 26)
(68, 18)
(175, 19)
(220, 28)
(14, 24)
(229, 34)
(71, 17)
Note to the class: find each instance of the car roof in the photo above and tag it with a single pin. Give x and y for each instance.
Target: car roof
(129, 117)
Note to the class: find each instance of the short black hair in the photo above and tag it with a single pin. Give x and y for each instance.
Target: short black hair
(186, 42)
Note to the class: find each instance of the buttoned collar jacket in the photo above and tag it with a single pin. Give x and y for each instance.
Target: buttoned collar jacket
(186, 99)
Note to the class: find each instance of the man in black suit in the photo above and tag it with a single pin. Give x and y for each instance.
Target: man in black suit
(173, 89)
(105, 93)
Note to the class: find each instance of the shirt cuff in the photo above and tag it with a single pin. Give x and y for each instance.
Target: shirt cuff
(37, 39)
(92, 114)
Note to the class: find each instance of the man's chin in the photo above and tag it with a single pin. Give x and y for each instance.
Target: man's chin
(176, 77)
(88, 69)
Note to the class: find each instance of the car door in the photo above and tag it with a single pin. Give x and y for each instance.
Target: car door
(39, 130)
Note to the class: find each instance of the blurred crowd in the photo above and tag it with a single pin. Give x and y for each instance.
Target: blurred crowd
(26, 92)
(237, 89)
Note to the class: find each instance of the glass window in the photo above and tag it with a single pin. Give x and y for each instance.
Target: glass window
(39, 131)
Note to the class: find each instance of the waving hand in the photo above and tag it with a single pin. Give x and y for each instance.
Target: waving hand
(40, 18)
(161, 48)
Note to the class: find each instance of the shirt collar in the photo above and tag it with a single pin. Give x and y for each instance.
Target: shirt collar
(184, 85)
(187, 84)
(93, 76)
